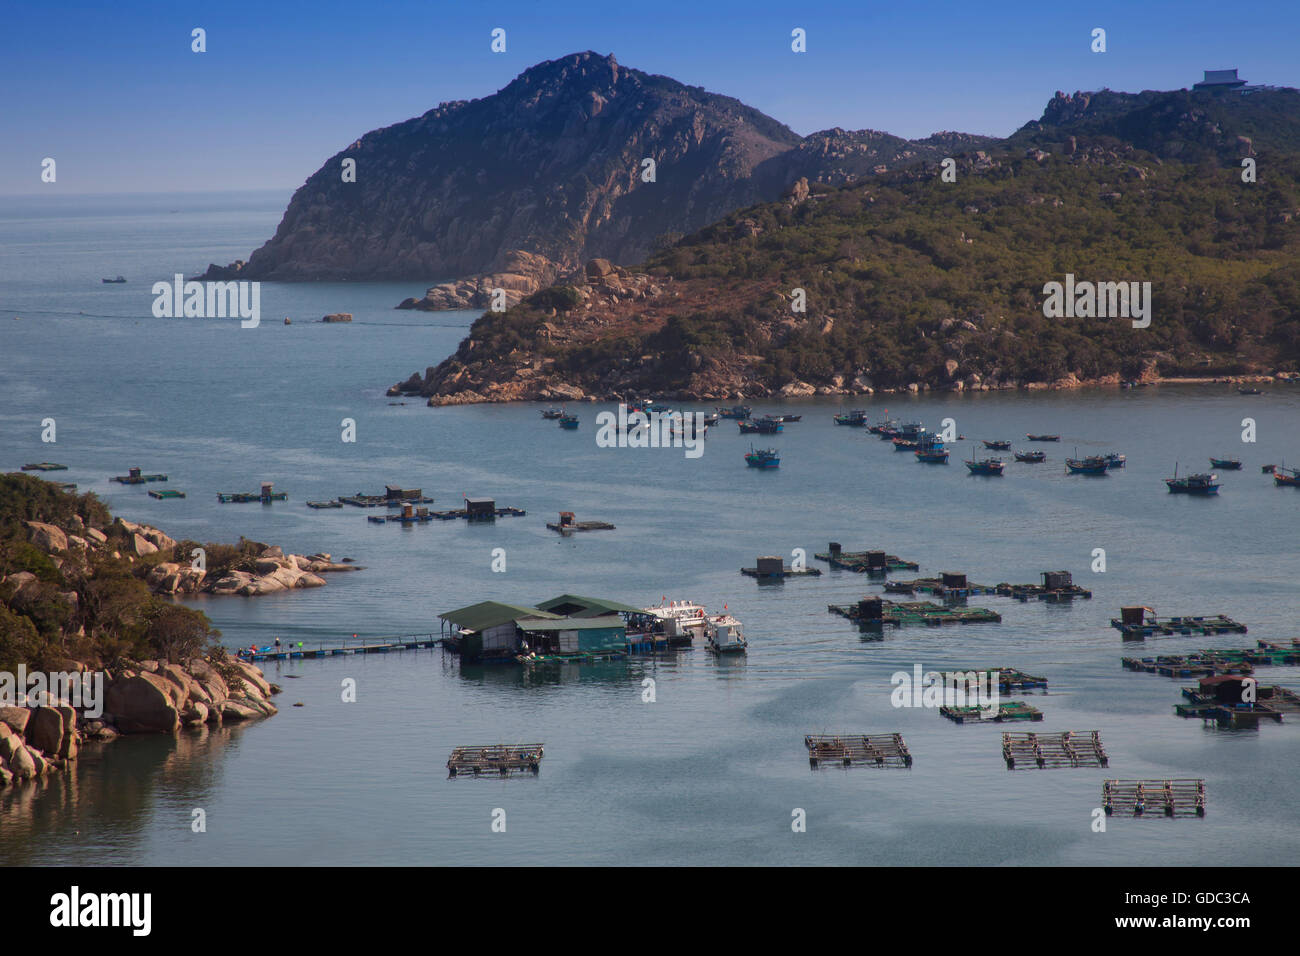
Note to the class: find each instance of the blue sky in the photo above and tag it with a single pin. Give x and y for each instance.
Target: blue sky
(114, 94)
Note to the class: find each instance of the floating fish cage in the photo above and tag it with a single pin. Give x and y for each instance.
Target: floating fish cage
(393, 497)
(1139, 623)
(1011, 710)
(1222, 699)
(1010, 679)
(1045, 751)
(568, 524)
(1201, 664)
(1146, 798)
(500, 759)
(1055, 586)
(168, 493)
(266, 495)
(877, 612)
(134, 477)
(949, 584)
(319, 505)
(864, 562)
(772, 567)
(849, 750)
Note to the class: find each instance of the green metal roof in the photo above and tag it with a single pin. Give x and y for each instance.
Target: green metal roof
(591, 607)
(486, 614)
(571, 623)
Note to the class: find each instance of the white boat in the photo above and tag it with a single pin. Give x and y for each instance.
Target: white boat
(725, 635)
(682, 621)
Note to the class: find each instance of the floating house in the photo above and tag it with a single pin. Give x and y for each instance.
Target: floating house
(565, 627)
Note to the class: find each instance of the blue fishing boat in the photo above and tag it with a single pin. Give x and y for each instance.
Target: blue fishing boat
(1227, 464)
(1114, 460)
(988, 466)
(997, 445)
(857, 418)
(1193, 484)
(569, 421)
(1031, 456)
(886, 424)
(762, 458)
(738, 412)
(1289, 477)
(930, 450)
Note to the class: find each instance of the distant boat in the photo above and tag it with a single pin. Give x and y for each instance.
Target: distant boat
(740, 412)
(762, 458)
(785, 418)
(1193, 484)
(997, 445)
(906, 444)
(761, 426)
(569, 421)
(1031, 456)
(114, 281)
(1245, 390)
(1043, 437)
(880, 427)
(1227, 464)
(857, 418)
(1115, 460)
(1092, 465)
(989, 466)
(931, 451)
(1286, 476)
(552, 413)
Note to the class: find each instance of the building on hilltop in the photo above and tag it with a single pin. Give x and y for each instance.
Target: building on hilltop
(1220, 80)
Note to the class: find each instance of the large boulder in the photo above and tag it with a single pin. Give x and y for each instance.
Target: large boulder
(16, 718)
(142, 704)
(22, 764)
(238, 710)
(141, 546)
(47, 537)
(45, 729)
(254, 676)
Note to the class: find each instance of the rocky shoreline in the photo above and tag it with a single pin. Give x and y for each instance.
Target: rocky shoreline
(40, 737)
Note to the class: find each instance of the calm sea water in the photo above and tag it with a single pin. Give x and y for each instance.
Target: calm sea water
(711, 771)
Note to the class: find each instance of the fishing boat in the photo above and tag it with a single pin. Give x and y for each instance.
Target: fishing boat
(905, 444)
(569, 421)
(723, 634)
(931, 452)
(1286, 476)
(1193, 484)
(1227, 464)
(680, 622)
(989, 466)
(710, 420)
(1092, 465)
(738, 412)
(552, 413)
(113, 281)
(1043, 437)
(1115, 460)
(761, 426)
(997, 445)
(1248, 391)
(1031, 456)
(883, 425)
(763, 458)
(857, 418)
(785, 418)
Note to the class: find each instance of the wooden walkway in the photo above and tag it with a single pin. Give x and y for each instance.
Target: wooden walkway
(1170, 798)
(500, 759)
(288, 652)
(848, 750)
(1069, 749)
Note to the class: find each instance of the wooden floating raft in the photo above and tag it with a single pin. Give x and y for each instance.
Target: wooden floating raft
(266, 495)
(949, 584)
(567, 525)
(134, 477)
(1069, 749)
(1200, 664)
(1011, 710)
(167, 493)
(1055, 586)
(393, 497)
(288, 653)
(1137, 798)
(876, 612)
(408, 515)
(771, 567)
(1138, 623)
(502, 759)
(324, 504)
(1010, 679)
(45, 466)
(847, 750)
(1220, 699)
(864, 562)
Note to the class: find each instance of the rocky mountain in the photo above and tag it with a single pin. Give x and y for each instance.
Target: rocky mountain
(524, 186)
(908, 282)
